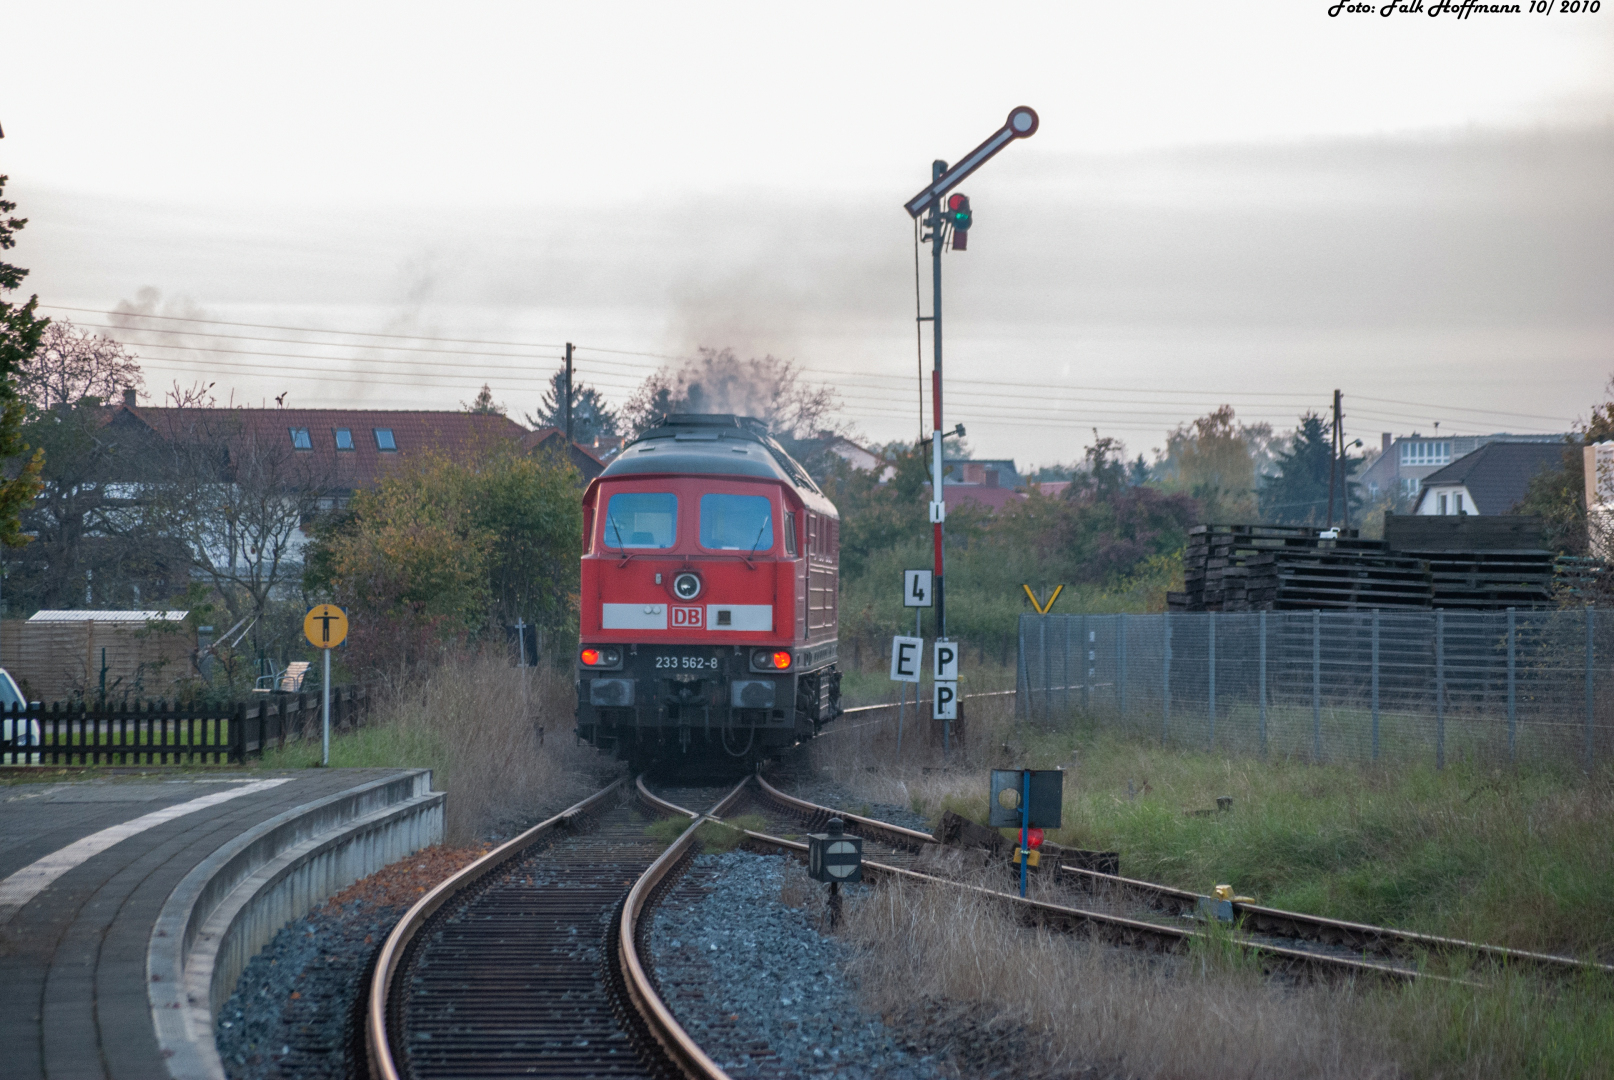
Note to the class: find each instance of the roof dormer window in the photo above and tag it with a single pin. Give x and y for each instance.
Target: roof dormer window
(384, 439)
(300, 439)
(344, 438)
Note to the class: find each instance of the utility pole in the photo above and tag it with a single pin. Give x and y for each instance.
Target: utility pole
(1021, 124)
(567, 412)
(1336, 463)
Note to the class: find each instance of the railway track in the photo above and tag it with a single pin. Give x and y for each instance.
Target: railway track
(1258, 926)
(1106, 927)
(530, 961)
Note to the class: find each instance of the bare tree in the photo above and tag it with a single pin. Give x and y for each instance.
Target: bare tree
(73, 365)
(237, 498)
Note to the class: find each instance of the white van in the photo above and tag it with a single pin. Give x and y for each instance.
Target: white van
(11, 698)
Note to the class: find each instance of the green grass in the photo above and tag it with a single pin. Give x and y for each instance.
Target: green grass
(873, 686)
(1521, 856)
(382, 746)
(714, 836)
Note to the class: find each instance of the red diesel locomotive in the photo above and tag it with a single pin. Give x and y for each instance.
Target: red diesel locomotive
(709, 593)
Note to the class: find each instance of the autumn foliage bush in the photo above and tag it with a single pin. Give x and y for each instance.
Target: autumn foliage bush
(446, 550)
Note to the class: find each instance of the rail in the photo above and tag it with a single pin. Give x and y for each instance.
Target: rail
(1360, 937)
(674, 1040)
(681, 1050)
(1102, 926)
(378, 1045)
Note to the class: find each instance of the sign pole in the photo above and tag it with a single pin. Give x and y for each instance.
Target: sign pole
(325, 727)
(325, 627)
(1025, 827)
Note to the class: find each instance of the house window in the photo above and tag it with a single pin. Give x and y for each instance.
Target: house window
(300, 439)
(344, 438)
(1443, 504)
(1459, 498)
(1426, 453)
(384, 440)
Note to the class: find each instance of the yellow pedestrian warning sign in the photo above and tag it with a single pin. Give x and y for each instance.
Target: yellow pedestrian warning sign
(325, 626)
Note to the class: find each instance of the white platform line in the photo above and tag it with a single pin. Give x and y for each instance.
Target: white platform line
(31, 880)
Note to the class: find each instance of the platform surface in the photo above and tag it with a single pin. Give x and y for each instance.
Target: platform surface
(73, 955)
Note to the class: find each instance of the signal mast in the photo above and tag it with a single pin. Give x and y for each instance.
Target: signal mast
(954, 221)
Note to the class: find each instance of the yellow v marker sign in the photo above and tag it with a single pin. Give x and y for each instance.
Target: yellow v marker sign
(1043, 609)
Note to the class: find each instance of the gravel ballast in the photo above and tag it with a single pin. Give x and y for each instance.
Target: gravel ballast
(759, 987)
(828, 793)
(292, 1012)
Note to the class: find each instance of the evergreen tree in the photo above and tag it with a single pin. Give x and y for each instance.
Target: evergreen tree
(592, 418)
(484, 405)
(1298, 493)
(20, 331)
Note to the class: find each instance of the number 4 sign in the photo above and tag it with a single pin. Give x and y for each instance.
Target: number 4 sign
(916, 588)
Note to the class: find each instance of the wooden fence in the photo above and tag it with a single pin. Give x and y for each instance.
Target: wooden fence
(155, 733)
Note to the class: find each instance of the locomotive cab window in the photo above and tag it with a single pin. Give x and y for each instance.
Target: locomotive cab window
(641, 520)
(790, 533)
(736, 523)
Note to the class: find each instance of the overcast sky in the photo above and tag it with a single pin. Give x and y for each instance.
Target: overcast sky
(1252, 203)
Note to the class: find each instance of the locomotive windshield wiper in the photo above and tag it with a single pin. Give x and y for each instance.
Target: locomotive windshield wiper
(747, 556)
(620, 546)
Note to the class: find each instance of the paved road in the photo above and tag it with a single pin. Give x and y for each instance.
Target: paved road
(73, 955)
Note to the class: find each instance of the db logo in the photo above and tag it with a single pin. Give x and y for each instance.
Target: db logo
(686, 616)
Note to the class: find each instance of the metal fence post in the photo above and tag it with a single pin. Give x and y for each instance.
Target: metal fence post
(1261, 676)
(1210, 665)
(1165, 706)
(1087, 701)
(1317, 685)
(1440, 689)
(1065, 668)
(1042, 654)
(1513, 639)
(1022, 708)
(1589, 633)
(1120, 663)
(1375, 684)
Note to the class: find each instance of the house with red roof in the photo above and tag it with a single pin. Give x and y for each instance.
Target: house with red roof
(334, 452)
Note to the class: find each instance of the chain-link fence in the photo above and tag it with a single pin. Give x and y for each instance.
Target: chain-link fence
(1327, 686)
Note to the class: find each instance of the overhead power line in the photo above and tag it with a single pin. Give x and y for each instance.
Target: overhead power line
(992, 398)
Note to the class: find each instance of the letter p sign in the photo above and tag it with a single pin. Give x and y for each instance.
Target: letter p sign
(946, 666)
(946, 701)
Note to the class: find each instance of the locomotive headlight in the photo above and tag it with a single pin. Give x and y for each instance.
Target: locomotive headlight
(766, 659)
(687, 586)
(606, 657)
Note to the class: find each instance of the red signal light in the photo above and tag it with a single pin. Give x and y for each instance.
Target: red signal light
(1034, 837)
(590, 657)
(960, 218)
(781, 660)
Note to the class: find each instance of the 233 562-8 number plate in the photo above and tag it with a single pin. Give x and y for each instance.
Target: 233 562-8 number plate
(686, 663)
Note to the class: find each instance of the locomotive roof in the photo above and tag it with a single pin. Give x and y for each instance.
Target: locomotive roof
(712, 444)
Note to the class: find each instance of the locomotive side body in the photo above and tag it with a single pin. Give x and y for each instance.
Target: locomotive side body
(709, 593)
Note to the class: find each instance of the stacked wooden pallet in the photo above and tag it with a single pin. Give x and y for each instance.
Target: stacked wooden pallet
(1284, 567)
(1478, 563)
(1454, 562)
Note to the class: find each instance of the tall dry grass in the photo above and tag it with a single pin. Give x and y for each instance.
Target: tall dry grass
(474, 720)
(1101, 1008)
